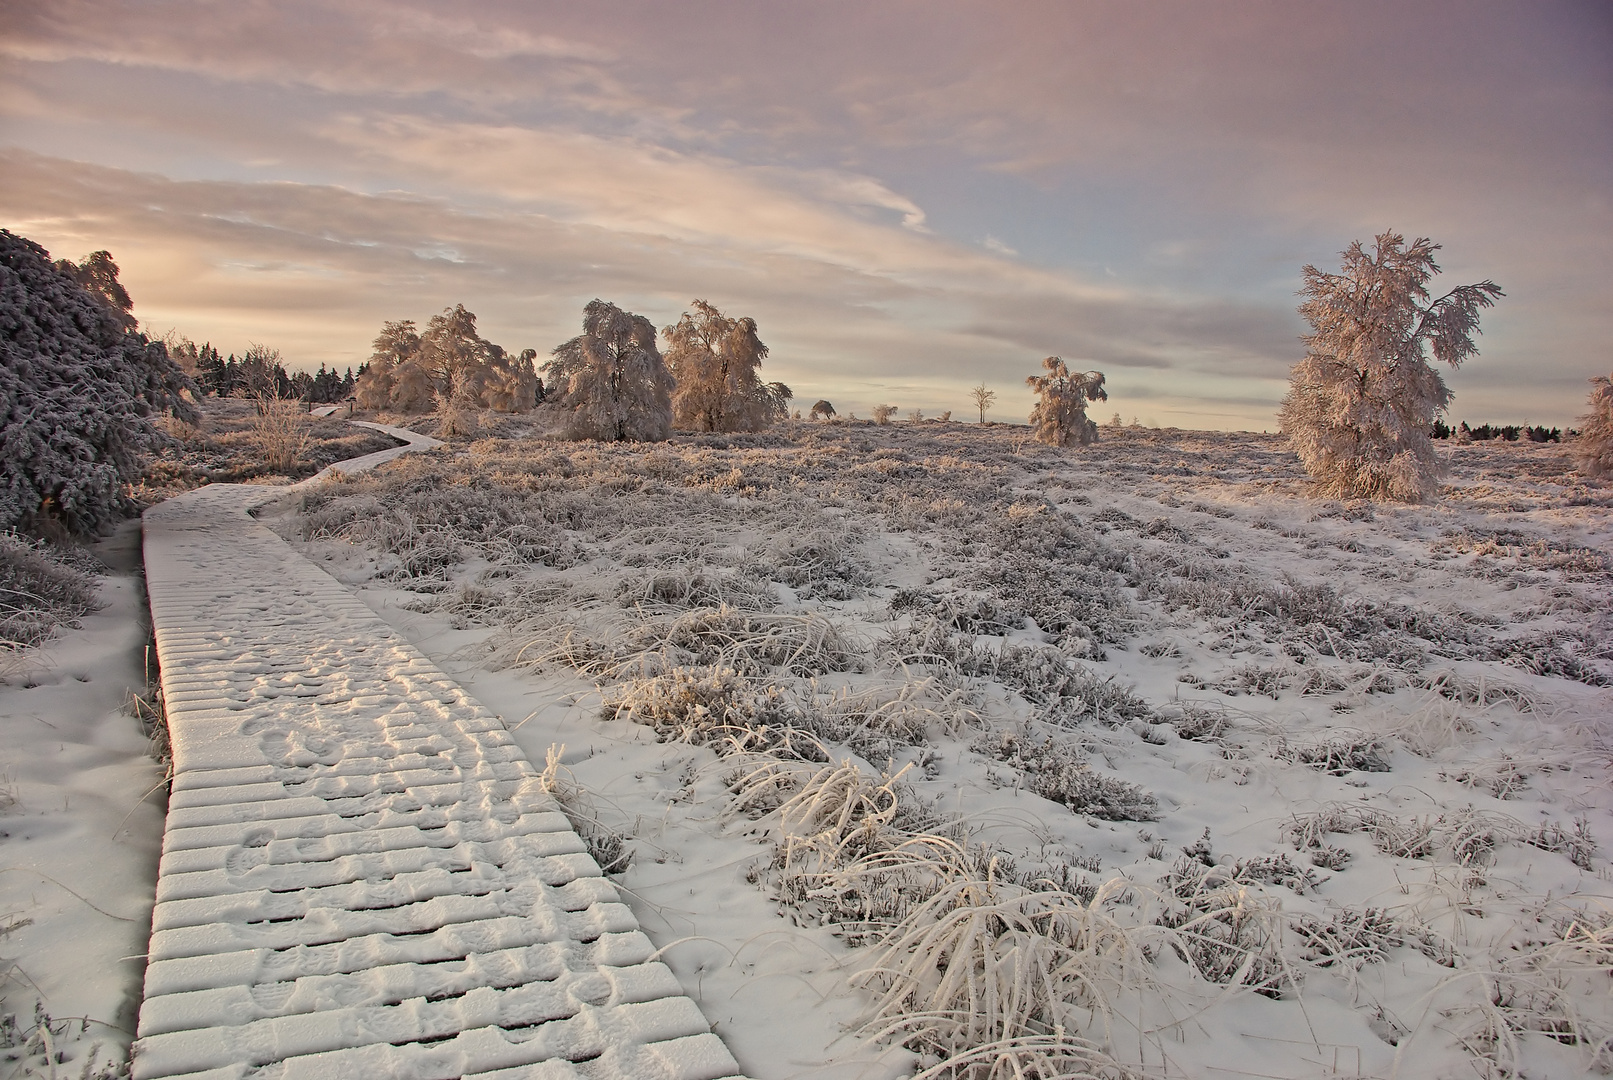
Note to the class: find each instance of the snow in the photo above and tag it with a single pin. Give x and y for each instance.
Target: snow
(1450, 777)
(337, 800)
(1486, 765)
(80, 825)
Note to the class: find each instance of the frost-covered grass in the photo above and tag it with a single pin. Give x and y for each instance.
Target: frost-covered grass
(233, 441)
(1102, 762)
(41, 589)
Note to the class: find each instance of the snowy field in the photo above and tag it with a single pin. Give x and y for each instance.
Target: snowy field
(1128, 760)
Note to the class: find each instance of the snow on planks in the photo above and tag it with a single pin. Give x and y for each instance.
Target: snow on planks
(362, 875)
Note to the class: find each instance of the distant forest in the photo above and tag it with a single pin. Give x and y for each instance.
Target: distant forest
(260, 373)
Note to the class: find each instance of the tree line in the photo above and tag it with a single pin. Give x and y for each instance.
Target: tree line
(80, 383)
(259, 373)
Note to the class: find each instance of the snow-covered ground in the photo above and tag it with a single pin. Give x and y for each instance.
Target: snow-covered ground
(1257, 784)
(80, 832)
(1261, 784)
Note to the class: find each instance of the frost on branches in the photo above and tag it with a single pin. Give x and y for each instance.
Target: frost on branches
(1059, 416)
(78, 387)
(1594, 447)
(448, 366)
(611, 378)
(714, 359)
(1361, 406)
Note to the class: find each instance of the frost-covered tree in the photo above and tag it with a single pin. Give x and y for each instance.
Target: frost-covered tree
(1594, 447)
(713, 360)
(1361, 406)
(449, 362)
(883, 413)
(982, 399)
(611, 378)
(98, 274)
(822, 410)
(78, 389)
(513, 384)
(395, 346)
(1059, 416)
(457, 358)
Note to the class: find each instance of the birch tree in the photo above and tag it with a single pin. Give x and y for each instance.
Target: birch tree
(611, 378)
(1594, 447)
(714, 360)
(1059, 416)
(1361, 406)
(982, 399)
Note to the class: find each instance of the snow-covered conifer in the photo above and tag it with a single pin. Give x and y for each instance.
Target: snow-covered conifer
(1594, 447)
(78, 387)
(611, 378)
(713, 360)
(1059, 416)
(1360, 407)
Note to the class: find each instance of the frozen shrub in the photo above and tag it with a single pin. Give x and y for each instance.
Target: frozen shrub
(680, 589)
(611, 379)
(821, 562)
(1227, 932)
(966, 614)
(1056, 770)
(38, 593)
(1352, 937)
(715, 707)
(607, 846)
(1059, 417)
(1339, 752)
(283, 430)
(1045, 676)
(1361, 406)
(854, 851)
(876, 720)
(79, 388)
(1594, 446)
(753, 643)
(986, 975)
(883, 413)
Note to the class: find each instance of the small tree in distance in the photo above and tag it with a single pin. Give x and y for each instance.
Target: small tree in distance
(883, 413)
(1059, 416)
(611, 378)
(1594, 447)
(982, 399)
(1361, 406)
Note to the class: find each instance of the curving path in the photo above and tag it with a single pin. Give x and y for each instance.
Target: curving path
(361, 874)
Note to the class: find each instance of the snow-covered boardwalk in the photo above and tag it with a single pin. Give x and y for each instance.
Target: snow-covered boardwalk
(361, 874)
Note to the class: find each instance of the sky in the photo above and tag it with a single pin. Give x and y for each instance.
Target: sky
(910, 198)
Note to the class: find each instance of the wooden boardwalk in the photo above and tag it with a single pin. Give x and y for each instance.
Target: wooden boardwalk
(361, 874)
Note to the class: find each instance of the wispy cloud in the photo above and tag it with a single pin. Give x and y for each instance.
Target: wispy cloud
(1148, 179)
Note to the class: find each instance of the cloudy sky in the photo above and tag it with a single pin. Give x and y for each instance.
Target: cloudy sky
(908, 197)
